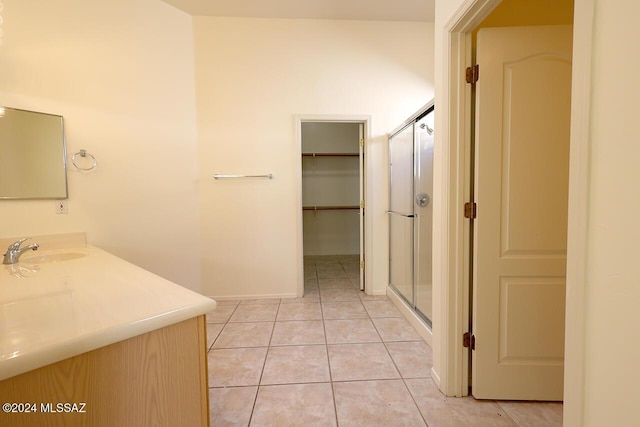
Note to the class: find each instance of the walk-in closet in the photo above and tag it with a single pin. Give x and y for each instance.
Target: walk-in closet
(332, 192)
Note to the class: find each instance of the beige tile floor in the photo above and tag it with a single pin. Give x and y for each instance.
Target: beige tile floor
(336, 357)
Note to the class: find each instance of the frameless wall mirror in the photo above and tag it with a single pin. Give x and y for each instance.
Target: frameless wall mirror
(32, 155)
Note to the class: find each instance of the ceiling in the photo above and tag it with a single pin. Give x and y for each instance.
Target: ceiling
(362, 10)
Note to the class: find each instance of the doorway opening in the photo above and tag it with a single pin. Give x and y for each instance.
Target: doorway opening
(333, 203)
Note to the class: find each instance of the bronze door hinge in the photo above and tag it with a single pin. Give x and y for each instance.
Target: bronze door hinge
(470, 210)
(469, 341)
(472, 74)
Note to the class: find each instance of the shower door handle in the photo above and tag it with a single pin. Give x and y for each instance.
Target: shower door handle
(423, 200)
(401, 214)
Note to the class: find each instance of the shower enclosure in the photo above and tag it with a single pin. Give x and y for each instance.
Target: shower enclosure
(411, 211)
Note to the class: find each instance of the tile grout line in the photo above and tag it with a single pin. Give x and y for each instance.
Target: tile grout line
(266, 356)
(225, 325)
(505, 412)
(326, 344)
(402, 378)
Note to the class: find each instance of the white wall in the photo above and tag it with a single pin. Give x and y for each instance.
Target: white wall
(613, 232)
(443, 277)
(121, 73)
(253, 76)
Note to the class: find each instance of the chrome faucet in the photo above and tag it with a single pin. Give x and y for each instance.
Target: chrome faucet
(14, 251)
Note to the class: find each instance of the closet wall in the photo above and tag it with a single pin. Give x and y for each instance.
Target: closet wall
(330, 188)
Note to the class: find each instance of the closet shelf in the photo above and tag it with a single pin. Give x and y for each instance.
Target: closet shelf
(330, 154)
(329, 208)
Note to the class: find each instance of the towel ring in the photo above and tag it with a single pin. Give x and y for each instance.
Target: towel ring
(83, 153)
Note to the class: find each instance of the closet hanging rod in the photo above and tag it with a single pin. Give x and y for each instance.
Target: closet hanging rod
(330, 154)
(223, 176)
(329, 208)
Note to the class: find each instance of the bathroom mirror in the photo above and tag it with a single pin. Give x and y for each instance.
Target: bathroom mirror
(32, 155)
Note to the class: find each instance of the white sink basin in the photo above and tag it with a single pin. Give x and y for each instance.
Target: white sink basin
(49, 257)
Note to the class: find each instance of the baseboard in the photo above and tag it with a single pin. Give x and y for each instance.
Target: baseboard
(376, 293)
(255, 296)
(412, 317)
(435, 377)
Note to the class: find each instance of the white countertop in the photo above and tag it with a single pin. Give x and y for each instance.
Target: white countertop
(58, 303)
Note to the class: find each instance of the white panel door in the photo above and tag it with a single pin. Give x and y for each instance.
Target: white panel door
(523, 99)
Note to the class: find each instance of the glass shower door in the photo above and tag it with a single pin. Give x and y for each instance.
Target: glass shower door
(424, 213)
(411, 212)
(401, 213)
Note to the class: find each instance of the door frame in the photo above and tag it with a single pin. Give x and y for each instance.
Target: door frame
(451, 302)
(365, 120)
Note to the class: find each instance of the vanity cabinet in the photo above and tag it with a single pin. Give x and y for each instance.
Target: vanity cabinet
(155, 379)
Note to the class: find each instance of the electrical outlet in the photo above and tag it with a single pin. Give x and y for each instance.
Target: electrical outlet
(61, 207)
